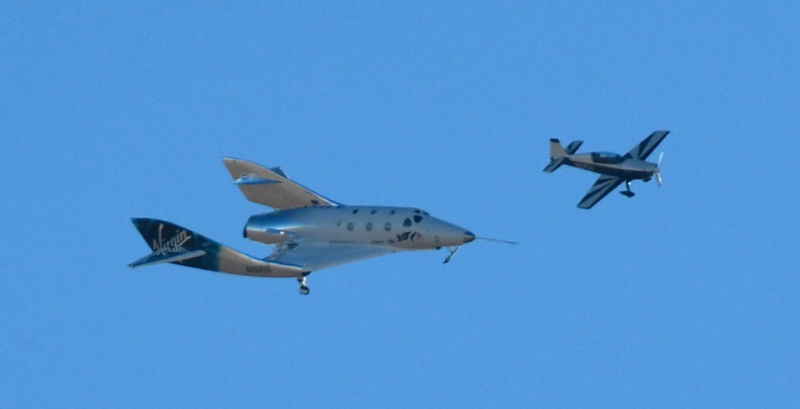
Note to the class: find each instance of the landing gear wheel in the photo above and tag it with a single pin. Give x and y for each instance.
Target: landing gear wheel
(627, 191)
(303, 285)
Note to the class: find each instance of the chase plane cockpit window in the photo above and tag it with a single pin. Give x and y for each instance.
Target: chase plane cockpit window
(606, 157)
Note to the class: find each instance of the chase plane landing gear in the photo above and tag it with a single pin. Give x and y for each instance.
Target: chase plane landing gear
(627, 191)
(303, 284)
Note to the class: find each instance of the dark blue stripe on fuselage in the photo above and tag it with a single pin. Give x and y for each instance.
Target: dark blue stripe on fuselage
(628, 169)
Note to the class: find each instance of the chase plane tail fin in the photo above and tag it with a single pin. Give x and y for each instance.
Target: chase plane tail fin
(557, 155)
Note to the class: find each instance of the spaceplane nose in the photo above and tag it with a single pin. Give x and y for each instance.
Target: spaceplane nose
(468, 236)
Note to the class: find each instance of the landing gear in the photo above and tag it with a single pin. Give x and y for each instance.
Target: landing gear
(303, 284)
(452, 253)
(627, 191)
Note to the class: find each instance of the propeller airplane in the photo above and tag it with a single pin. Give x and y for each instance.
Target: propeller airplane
(613, 168)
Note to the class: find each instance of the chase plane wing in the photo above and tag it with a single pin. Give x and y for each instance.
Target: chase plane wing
(647, 146)
(271, 187)
(604, 185)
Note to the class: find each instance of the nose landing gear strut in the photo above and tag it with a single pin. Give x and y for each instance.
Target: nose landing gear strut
(452, 253)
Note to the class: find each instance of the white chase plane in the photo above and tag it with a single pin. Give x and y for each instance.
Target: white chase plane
(310, 232)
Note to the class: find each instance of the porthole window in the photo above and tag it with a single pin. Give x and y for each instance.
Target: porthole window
(350, 226)
(369, 226)
(417, 218)
(387, 226)
(407, 222)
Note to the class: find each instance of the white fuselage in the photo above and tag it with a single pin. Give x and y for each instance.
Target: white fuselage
(402, 228)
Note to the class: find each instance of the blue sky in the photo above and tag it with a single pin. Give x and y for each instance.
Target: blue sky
(684, 296)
